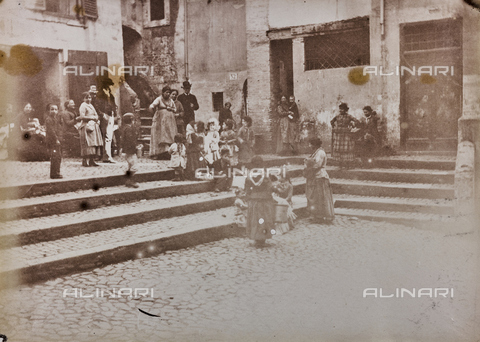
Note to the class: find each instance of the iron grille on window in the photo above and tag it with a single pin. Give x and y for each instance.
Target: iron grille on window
(338, 50)
(432, 35)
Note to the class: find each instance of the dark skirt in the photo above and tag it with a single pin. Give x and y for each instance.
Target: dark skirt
(195, 161)
(260, 219)
(319, 198)
(343, 146)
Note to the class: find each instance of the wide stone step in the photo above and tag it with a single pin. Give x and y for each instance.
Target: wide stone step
(394, 175)
(408, 205)
(392, 189)
(406, 162)
(418, 220)
(42, 261)
(62, 203)
(50, 187)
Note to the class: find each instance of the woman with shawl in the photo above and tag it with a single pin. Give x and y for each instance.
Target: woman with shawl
(91, 141)
(164, 126)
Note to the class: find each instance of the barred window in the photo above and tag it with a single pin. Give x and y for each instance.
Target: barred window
(338, 49)
(432, 35)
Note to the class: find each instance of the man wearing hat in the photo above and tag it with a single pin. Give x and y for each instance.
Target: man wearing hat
(189, 103)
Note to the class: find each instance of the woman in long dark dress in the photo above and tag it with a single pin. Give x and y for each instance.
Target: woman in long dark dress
(261, 206)
(370, 139)
(245, 141)
(282, 126)
(343, 141)
(195, 159)
(318, 190)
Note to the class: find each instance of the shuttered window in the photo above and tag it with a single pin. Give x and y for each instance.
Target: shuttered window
(90, 7)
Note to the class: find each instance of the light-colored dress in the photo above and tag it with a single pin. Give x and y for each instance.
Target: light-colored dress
(318, 189)
(211, 145)
(164, 126)
(91, 140)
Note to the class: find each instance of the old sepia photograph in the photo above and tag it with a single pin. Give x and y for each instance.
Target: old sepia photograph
(240, 170)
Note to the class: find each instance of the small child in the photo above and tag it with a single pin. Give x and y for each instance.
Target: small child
(53, 138)
(129, 147)
(178, 162)
(212, 140)
(241, 208)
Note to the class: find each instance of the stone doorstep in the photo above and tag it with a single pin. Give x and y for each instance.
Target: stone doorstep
(409, 205)
(87, 183)
(195, 234)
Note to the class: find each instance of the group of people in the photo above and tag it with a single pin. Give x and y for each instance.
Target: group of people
(265, 207)
(352, 138)
(194, 146)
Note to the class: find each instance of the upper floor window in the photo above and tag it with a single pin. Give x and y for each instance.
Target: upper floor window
(157, 13)
(68, 8)
(339, 49)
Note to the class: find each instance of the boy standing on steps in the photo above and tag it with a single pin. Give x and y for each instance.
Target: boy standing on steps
(54, 135)
(129, 147)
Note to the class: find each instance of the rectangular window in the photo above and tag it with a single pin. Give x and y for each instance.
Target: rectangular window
(156, 13)
(340, 49)
(432, 35)
(66, 8)
(217, 100)
(157, 10)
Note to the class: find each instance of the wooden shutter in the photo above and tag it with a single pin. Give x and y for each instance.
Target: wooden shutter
(90, 7)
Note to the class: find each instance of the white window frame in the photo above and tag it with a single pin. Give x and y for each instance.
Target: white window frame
(155, 23)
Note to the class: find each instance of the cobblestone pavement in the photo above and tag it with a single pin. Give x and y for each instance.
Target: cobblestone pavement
(307, 285)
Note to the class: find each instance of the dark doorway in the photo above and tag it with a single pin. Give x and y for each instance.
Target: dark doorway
(431, 102)
(281, 59)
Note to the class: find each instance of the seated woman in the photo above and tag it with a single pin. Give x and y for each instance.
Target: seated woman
(29, 136)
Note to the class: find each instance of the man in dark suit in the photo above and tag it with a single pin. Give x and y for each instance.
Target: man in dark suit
(189, 103)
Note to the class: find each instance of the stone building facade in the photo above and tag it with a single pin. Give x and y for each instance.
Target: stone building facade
(43, 37)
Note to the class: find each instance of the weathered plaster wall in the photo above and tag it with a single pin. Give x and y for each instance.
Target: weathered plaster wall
(258, 60)
(21, 25)
(285, 13)
(217, 47)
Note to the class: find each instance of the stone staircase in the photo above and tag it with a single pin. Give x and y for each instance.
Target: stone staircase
(66, 226)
